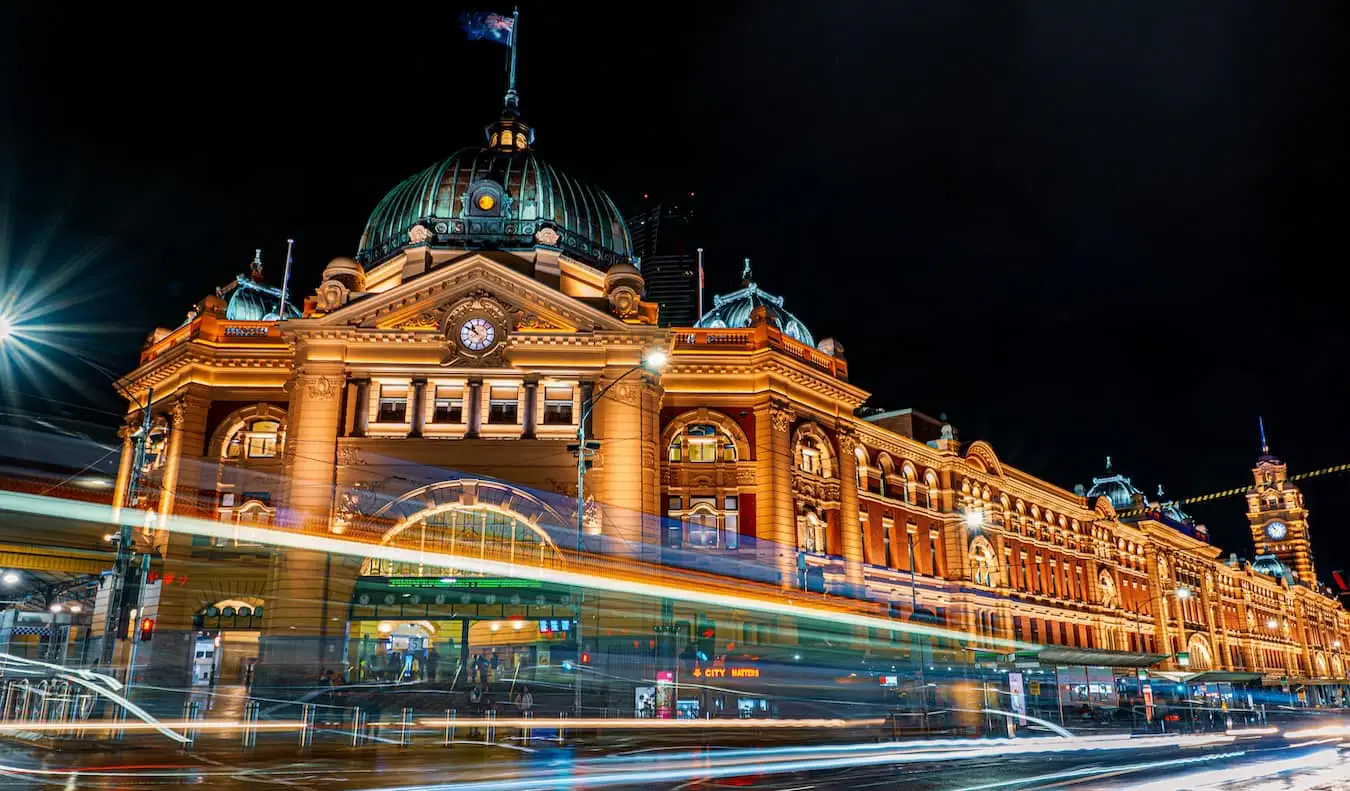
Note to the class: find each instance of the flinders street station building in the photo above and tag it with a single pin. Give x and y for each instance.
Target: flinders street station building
(748, 521)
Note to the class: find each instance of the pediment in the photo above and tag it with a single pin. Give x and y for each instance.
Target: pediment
(423, 304)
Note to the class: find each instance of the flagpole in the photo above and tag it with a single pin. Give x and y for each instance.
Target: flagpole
(511, 98)
(700, 286)
(285, 280)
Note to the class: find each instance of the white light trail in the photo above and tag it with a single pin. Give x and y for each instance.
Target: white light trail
(94, 512)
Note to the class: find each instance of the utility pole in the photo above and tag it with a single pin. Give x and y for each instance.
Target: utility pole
(122, 564)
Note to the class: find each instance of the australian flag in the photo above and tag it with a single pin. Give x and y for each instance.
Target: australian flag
(487, 26)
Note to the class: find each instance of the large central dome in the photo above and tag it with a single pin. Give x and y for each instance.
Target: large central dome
(499, 196)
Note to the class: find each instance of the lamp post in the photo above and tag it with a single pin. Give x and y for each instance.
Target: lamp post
(654, 360)
(11, 331)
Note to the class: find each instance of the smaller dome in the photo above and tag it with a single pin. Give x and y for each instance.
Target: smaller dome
(624, 268)
(735, 310)
(347, 272)
(1115, 487)
(1272, 567)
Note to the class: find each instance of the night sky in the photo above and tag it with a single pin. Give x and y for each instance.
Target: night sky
(1078, 229)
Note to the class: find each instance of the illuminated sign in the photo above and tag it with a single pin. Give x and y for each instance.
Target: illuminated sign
(452, 582)
(254, 331)
(890, 681)
(726, 672)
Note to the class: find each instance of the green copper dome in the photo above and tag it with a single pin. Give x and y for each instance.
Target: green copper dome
(499, 196)
(735, 309)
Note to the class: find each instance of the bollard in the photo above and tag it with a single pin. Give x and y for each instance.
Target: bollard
(562, 715)
(249, 735)
(306, 725)
(191, 711)
(405, 727)
(492, 726)
(358, 725)
(449, 726)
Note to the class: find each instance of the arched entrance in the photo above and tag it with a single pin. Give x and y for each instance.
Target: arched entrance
(476, 518)
(1201, 658)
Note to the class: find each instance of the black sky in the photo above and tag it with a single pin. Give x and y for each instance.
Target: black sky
(1077, 228)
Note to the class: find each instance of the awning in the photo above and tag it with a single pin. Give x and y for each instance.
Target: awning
(1209, 676)
(1096, 657)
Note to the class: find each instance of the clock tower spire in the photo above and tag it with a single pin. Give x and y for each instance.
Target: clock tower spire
(1279, 522)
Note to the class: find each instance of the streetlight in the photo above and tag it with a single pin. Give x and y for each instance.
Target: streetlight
(6, 328)
(974, 518)
(10, 578)
(654, 360)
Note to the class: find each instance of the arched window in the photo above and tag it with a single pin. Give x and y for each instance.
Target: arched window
(702, 443)
(809, 456)
(811, 531)
(861, 470)
(256, 440)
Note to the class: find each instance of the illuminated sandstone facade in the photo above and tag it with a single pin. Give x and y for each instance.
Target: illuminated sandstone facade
(427, 394)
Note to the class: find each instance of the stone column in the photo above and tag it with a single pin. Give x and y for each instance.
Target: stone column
(626, 450)
(361, 413)
(474, 405)
(783, 526)
(127, 433)
(848, 511)
(419, 408)
(1160, 616)
(309, 593)
(1220, 657)
(531, 405)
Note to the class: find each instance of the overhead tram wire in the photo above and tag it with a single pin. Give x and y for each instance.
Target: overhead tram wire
(1204, 498)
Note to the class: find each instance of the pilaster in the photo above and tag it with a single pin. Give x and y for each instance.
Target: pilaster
(848, 510)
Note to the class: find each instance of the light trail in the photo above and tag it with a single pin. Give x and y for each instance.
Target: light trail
(109, 725)
(1243, 774)
(97, 513)
(715, 766)
(633, 723)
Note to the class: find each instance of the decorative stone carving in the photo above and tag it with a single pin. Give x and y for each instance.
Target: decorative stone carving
(348, 456)
(419, 234)
(322, 388)
(627, 394)
(547, 235)
(623, 302)
(848, 443)
(780, 418)
(745, 475)
(331, 295)
(176, 413)
(426, 321)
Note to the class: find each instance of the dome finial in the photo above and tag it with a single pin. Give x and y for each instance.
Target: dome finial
(255, 269)
(1265, 447)
(747, 277)
(1108, 463)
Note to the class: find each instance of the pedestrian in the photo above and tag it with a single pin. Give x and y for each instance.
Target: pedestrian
(496, 663)
(524, 700)
(433, 662)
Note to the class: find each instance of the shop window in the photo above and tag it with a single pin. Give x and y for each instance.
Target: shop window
(701, 523)
(393, 406)
(557, 406)
(504, 405)
(448, 405)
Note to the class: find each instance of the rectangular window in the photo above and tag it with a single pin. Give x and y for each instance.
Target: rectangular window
(702, 449)
(889, 559)
(393, 404)
(504, 405)
(557, 406)
(676, 503)
(731, 522)
(262, 446)
(449, 405)
(702, 522)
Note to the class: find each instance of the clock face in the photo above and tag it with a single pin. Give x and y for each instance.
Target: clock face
(476, 334)
(1276, 531)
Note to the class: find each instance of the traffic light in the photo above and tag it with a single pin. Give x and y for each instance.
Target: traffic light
(147, 628)
(707, 639)
(585, 657)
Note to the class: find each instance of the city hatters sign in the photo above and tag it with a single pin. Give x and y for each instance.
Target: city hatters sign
(735, 671)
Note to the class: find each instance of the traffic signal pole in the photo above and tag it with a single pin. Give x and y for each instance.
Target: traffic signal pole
(122, 563)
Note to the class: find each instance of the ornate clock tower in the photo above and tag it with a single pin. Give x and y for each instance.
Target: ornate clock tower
(1278, 519)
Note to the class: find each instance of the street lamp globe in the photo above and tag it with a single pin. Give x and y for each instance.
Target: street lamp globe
(10, 578)
(1183, 593)
(6, 328)
(974, 518)
(655, 359)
